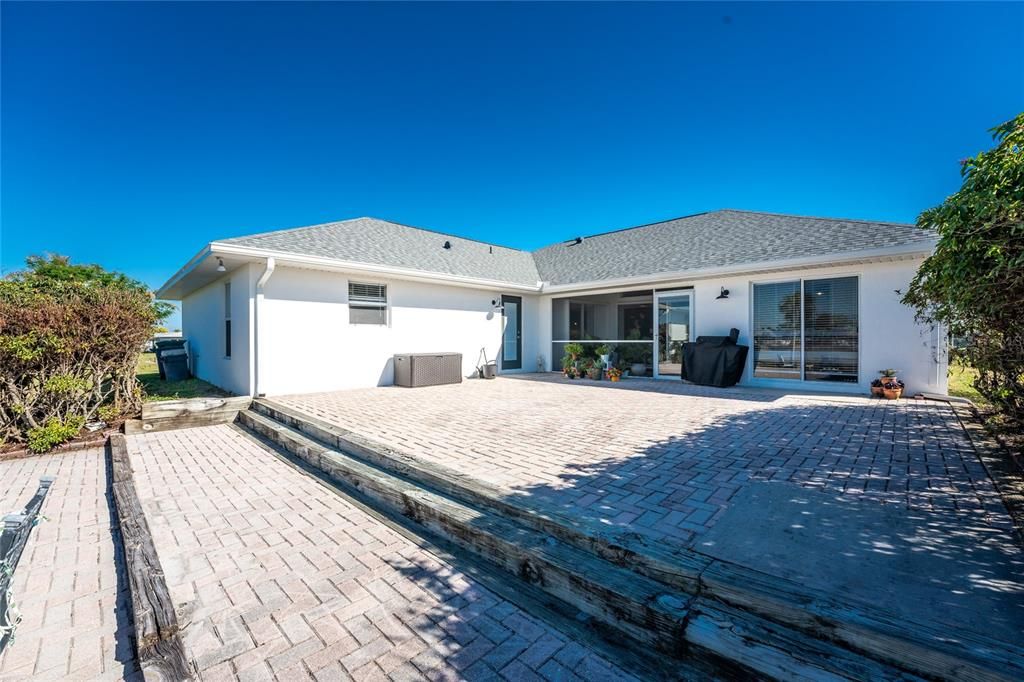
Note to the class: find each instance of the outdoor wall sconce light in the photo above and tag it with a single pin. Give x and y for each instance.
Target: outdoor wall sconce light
(723, 294)
(220, 265)
(496, 304)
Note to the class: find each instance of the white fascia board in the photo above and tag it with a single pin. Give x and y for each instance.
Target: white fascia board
(907, 252)
(185, 269)
(332, 264)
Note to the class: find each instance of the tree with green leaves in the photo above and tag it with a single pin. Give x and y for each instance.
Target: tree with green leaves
(53, 267)
(974, 281)
(70, 339)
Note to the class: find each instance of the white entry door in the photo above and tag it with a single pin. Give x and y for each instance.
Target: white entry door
(673, 314)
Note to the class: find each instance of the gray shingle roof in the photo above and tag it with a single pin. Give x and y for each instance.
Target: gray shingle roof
(379, 242)
(706, 240)
(716, 239)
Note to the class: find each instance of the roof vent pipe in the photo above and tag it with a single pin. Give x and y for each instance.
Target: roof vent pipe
(447, 244)
(578, 240)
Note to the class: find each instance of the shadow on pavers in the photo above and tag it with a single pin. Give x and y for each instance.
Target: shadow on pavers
(939, 567)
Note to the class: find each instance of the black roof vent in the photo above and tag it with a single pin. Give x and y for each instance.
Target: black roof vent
(447, 244)
(578, 240)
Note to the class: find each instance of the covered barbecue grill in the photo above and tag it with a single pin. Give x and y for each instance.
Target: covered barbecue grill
(714, 360)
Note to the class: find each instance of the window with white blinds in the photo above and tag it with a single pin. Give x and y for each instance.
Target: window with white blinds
(367, 303)
(807, 330)
(830, 329)
(777, 342)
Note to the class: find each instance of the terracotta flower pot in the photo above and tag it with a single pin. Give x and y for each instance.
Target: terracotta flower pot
(892, 393)
(877, 390)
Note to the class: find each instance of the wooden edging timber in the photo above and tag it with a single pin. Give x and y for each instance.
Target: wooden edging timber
(161, 654)
(1005, 470)
(182, 414)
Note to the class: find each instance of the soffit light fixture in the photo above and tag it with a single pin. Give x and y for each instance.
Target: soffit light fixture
(220, 265)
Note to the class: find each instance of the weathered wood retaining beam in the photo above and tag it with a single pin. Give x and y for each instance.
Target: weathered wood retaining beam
(160, 652)
(653, 615)
(871, 631)
(183, 414)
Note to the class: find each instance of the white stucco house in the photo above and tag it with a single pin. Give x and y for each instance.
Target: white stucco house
(327, 307)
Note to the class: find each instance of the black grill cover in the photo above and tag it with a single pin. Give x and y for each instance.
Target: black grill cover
(714, 360)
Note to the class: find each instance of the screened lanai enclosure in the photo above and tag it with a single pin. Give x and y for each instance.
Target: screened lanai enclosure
(643, 328)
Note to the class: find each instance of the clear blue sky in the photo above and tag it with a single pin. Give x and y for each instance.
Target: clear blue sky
(134, 133)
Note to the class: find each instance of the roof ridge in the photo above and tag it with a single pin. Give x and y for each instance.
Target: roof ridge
(814, 217)
(626, 229)
(290, 229)
(383, 220)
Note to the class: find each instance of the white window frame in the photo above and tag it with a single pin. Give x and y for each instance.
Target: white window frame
(364, 305)
(802, 381)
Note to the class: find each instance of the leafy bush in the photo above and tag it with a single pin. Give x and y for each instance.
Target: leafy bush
(67, 347)
(974, 282)
(53, 433)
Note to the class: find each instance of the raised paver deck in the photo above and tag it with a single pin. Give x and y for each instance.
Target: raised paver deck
(278, 577)
(665, 458)
(878, 503)
(76, 611)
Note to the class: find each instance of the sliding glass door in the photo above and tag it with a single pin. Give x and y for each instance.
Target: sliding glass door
(674, 310)
(807, 330)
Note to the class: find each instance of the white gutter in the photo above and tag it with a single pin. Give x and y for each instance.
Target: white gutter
(257, 323)
(371, 268)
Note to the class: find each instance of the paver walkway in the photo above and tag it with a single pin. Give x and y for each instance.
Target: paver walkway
(665, 458)
(76, 614)
(278, 577)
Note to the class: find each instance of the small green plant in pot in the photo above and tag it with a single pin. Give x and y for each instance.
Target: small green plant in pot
(570, 361)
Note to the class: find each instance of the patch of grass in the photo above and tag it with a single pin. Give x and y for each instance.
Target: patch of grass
(155, 390)
(961, 378)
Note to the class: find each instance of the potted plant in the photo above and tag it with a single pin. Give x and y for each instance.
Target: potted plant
(570, 361)
(888, 374)
(892, 390)
(592, 369)
(876, 387)
(603, 351)
(614, 373)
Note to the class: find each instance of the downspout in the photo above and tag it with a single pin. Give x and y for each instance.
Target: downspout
(257, 323)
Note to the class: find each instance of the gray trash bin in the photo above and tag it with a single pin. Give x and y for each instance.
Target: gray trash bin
(161, 347)
(175, 365)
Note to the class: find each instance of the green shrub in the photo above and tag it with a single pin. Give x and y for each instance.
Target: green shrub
(70, 338)
(973, 284)
(108, 413)
(53, 433)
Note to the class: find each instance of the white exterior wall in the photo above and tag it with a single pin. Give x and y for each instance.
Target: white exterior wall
(889, 335)
(307, 343)
(202, 323)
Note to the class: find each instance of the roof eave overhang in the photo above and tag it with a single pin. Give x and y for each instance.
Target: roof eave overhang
(177, 287)
(906, 252)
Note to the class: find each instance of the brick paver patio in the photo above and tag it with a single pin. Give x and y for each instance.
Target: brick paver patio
(76, 615)
(664, 458)
(278, 577)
